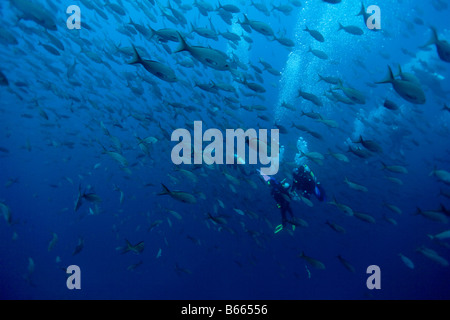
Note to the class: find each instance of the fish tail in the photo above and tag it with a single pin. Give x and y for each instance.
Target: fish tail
(434, 35)
(183, 45)
(334, 201)
(320, 78)
(430, 236)
(362, 12)
(389, 78)
(136, 58)
(400, 72)
(384, 165)
(433, 172)
(152, 31)
(340, 26)
(165, 190)
(433, 39)
(103, 148)
(127, 247)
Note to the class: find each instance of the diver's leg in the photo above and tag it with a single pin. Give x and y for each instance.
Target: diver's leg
(289, 209)
(283, 216)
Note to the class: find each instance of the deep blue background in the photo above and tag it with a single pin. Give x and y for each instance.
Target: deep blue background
(248, 261)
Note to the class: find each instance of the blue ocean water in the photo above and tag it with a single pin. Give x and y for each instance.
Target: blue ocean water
(80, 125)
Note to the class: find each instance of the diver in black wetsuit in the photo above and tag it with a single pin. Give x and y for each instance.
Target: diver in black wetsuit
(280, 192)
(306, 183)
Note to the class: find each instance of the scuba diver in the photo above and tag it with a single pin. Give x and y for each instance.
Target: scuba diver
(306, 182)
(280, 192)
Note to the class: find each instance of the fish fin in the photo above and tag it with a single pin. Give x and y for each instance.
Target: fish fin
(165, 190)
(389, 78)
(358, 141)
(152, 31)
(400, 72)
(433, 172)
(127, 247)
(418, 211)
(433, 38)
(334, 200)
(136, 57)
(103, 147)
(183, 45)
(362, 12)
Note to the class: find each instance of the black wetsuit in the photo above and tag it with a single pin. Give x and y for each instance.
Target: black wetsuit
(303, 181)
(306, 183)
(281, 196)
